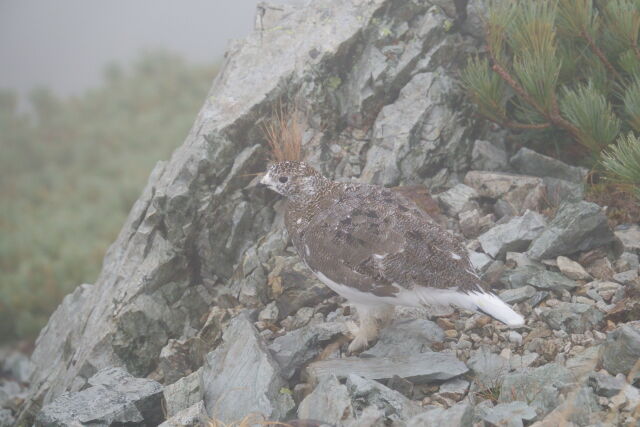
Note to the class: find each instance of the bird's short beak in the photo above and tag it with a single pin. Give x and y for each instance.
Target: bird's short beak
(264, 180)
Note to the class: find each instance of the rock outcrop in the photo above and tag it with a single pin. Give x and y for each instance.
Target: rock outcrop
(202, 308)
(377, 83)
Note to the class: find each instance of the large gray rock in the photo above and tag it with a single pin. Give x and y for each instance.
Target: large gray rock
(538, 277)
(576, 227)
(181, 249)
(488, 157)
(528, 162)
(539, 387)
(455, 199)
(606, 385)
(183, 393)
(240, 377)
(511, 296)
(622, 349)
(510, 414)
(575, 318)
(193, 416)
(406, 337)
(115, 397)
(6, 418)
(300, 346)
(519, 192)
(487, 369)
(365, 393)
(459, 415)
(417, 368)
(513, 236)
(629, 235)
(572, 269)
(329, 402)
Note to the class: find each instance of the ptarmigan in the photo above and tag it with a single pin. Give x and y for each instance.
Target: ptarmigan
(377, 249)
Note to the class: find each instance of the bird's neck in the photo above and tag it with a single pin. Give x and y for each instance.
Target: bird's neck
(304, 205)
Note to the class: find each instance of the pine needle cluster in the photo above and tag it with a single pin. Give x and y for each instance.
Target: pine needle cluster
(569, 66)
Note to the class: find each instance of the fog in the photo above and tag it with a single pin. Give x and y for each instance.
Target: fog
(64, 44)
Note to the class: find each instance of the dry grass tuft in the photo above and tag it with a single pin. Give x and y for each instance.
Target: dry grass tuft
(622, 206)
(284, 131)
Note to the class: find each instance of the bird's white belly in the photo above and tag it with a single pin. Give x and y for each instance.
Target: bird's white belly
(354, 295)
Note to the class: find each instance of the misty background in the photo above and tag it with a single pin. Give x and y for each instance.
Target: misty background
(92, 95)
(64, 44)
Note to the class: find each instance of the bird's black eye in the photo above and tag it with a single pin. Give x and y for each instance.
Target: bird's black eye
(283, 179)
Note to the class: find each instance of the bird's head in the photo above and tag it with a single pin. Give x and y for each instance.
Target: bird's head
(293, 179)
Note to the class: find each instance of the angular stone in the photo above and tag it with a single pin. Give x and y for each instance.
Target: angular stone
(552, 281)
(459, 415)
(622, 349)
(572, 269)
(115, 397)
(479, 261)
(394, 128)
(559, 191)
(293, 286)
(18, 366)
(538, 277)
(515, 235)
(488, 157)
(180, 358)
(539, 387)
(580, 405)
(605, 385)
(365, 392)
(455, 199)
(628, 277)
(183, 393)
(528, 162)
(510, 414)
(627, 261)
(488, 369)
(576, 227)
(241, 377)
(6, 419)
(404, 337)
(575, 318)
(629, 235)
(472, 224)
(519, 191)
(329, 403)
(454, 389)
(296, 348)
(193, 416)
(417, 368)
(512, 296)
(8, 391)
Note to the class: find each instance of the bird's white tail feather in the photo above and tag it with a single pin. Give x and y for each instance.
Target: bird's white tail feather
(477, 301)
(493, 306)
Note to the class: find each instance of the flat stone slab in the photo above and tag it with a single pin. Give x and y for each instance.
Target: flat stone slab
(417, 368)
(115, 397)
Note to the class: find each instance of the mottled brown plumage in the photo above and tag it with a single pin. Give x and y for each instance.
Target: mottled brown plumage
(371, 244)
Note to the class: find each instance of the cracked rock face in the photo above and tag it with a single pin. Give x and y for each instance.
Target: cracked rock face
(378, 83)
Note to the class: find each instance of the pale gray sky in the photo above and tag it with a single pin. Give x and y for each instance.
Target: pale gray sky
(64, 44)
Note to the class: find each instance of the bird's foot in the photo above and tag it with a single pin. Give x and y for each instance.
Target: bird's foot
(359, 343)
(361, 337)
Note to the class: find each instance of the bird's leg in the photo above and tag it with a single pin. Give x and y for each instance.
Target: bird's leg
(372, 319)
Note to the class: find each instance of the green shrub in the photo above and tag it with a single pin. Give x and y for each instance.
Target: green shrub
(564, 68)
(70, 172)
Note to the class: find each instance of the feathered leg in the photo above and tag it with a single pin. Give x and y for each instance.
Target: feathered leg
(372, 319)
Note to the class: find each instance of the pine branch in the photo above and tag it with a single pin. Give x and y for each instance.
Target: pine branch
(596, 50)
(553, 117)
